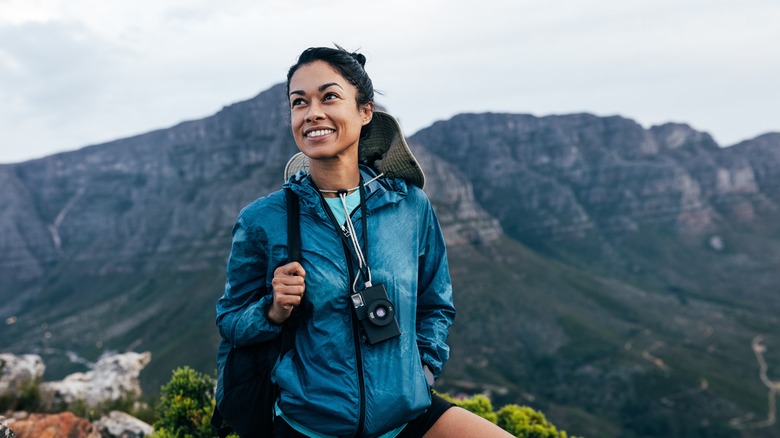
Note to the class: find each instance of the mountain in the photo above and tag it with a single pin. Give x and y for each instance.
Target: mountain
(668, 246)
(615, 277)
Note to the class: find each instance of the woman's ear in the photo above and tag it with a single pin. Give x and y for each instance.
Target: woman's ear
(367, 112)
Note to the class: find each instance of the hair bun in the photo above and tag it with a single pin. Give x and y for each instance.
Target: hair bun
(360, 58)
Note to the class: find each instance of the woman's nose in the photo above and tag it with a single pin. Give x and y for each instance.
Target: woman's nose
(314, 112)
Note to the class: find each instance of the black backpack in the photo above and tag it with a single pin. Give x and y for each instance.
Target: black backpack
(248, 393)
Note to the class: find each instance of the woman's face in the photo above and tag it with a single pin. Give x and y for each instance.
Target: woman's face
(326, 120)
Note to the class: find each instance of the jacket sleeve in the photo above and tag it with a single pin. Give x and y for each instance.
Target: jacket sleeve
(435, 309)
(241, 312)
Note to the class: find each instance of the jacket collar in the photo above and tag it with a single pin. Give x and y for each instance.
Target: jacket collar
(379, 193)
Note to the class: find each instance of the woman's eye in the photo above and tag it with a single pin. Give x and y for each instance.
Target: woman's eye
(296, 102)
(331, 96)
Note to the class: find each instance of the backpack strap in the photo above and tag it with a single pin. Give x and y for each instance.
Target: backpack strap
(293, 255)
(218, 426)
(293, 226)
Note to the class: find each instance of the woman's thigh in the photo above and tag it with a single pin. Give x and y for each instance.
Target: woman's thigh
(458, 422)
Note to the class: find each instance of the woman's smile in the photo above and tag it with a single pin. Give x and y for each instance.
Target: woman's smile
(318, 133)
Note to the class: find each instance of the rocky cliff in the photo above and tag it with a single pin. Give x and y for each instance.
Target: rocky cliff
(566, 175)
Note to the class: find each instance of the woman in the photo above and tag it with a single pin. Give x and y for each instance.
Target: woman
(369, 241)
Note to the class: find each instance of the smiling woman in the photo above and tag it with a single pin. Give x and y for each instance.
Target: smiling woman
(374, 272)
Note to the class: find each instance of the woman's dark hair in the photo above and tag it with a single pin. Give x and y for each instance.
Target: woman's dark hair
(349, 65)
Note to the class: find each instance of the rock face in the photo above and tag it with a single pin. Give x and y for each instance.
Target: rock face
(63, 425)
(562, 176)
(15, 371)
(111, 378)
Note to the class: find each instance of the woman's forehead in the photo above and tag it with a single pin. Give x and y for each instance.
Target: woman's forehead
(312, 76)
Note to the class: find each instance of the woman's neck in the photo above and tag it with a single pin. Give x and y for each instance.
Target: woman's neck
(329, 178)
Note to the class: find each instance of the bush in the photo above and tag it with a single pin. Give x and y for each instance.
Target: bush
(129, 404)
(186, 404)
(522, 421)
(27, 397)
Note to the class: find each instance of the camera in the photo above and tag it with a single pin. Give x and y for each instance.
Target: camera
(376, 314)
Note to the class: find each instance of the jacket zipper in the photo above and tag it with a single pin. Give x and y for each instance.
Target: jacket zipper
(358, 351)
(361, 381)
(355, 328)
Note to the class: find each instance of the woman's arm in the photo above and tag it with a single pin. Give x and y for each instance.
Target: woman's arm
(241, 312)
(435, 309)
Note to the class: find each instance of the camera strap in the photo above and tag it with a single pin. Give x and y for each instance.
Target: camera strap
(348, 234)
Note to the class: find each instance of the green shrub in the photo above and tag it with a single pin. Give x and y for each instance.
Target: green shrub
(129, 404)
(186, 404)
(26, 397)
(522, 421)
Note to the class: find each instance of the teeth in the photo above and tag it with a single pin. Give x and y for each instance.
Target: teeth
(319, 132)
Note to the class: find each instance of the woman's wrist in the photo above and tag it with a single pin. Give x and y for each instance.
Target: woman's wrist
(272, 316)
(428, 374)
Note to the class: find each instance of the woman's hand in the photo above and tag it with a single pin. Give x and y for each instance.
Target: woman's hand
(288, 288)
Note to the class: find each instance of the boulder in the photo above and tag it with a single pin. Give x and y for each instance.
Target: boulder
(111, 378)
(121, 425)
(5, 431)
(64, 424)
(16, 370)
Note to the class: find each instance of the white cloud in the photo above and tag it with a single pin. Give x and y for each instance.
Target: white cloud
(85, 71)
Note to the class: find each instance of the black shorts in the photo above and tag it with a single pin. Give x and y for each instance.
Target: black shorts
(415, 429)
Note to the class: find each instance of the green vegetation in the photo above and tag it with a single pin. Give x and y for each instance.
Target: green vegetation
(27, 397)
(186, 404)
(130, 405)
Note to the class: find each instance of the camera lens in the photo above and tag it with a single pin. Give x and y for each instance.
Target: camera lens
(380, 312)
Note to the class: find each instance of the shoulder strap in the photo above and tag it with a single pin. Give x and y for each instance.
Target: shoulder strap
(293, 226)
(294, 255)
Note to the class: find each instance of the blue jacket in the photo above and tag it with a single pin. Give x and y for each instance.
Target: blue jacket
(320, 379)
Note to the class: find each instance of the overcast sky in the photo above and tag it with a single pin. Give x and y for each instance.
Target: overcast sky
(81, 72)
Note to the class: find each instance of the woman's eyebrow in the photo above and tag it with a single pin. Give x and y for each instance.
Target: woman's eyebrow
(323, 87)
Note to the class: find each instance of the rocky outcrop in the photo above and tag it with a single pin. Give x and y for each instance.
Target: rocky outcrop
(5, 430)
(121, 425)
(16, 371)
(463, 219)
(62, 425)
(67, 425)
(111, 378)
